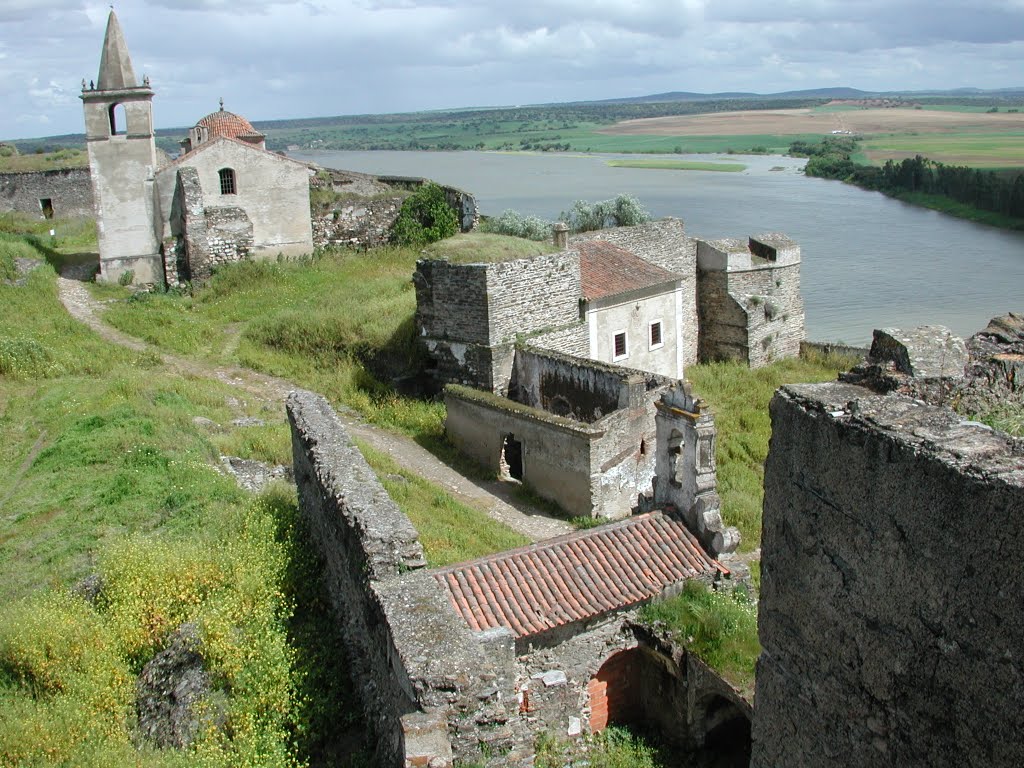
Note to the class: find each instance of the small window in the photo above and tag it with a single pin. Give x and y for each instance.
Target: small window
(227, 181)
(655, 335)
(46, 206)
(619, 346)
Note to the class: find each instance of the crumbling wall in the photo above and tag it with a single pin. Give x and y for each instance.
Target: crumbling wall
(749, 300)
(212, 236)
(891, 591)
(469, 315)
(432, 692)
(69, 191)
(357, 224)
(556, 451)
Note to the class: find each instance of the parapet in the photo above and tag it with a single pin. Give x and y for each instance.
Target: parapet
(733, 254)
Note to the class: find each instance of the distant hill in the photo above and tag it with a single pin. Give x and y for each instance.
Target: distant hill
(603, 110)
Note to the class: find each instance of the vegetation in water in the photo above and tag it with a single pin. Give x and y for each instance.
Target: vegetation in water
(678, 165)
(718, 627)
(994, 197)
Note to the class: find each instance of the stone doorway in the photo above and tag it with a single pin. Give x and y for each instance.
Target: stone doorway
(511, 458)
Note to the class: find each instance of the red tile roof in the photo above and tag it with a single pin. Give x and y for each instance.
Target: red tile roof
(229, 125)
(575, 577)
(607, 270)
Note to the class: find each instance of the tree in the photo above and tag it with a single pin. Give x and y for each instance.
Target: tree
(425, 217)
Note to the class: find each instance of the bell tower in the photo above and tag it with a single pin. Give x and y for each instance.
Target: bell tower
(122, 161)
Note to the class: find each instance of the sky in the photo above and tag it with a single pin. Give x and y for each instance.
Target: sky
(273, 60)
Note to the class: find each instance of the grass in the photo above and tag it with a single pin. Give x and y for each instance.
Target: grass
(45, 161)
(103, 470)
(614, 747)
(978, 150)
(485, 248)
(719, 628)
(678, 165)
(738, 398)
(451, 532)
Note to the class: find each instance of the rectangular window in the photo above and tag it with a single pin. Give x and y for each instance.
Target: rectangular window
(655, 335)
(620, 351)
(227, 181)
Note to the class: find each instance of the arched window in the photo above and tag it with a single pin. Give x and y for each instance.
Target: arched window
(227, 181)
(117, 118)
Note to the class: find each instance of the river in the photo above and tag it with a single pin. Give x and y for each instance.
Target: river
(868, 261)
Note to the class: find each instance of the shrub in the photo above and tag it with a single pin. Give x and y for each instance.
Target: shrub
(127, 277)
(425, 217)
(517, 225)
(622, 211)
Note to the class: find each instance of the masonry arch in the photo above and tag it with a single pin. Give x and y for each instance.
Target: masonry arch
(725, 730)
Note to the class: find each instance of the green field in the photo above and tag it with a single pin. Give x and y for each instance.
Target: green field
(1005, 150)
(678, 165)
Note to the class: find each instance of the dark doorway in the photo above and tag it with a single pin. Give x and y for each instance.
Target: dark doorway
(726, 735)
(46, 206)
(512, 457)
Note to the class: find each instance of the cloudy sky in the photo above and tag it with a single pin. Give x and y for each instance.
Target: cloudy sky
(331, 57)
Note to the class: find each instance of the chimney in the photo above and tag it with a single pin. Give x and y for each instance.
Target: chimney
(561, 234)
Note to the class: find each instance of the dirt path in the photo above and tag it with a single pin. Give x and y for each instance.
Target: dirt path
(493, 497)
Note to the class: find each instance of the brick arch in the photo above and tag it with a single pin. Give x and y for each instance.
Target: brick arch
(615, 693)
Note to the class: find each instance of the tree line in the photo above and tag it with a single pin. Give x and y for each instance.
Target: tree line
(995, 191)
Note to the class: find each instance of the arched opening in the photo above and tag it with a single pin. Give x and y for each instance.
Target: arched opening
(227, 181)
(616, 692)
(118, 120)
(726, 731)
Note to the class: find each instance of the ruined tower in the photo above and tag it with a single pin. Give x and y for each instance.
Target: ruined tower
(122, 161)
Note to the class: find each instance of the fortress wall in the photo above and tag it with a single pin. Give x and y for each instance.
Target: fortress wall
(528, 295)
(890, 611)
(750, 308)
(68, 189)
(432, 691)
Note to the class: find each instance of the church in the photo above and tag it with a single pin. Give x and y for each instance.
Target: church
(163, 221)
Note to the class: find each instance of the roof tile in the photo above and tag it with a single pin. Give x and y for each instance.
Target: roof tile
(607, 270)
(575, 577)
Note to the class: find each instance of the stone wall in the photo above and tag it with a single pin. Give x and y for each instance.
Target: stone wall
(890, 613)
(749, 300)
(357, 224)
(469, 315)
(432, 691)
(69, 191)
(463, 203)
(586, 430)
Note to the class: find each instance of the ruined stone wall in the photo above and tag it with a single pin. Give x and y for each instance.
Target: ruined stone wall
(469, 315)
(357, 224)
(432, 691)
(571, 340)
(528, 295)
(462, 202)
(664, 242)
(750, 308)
(68, 189)
(556, 452)
(576, 388)
(890, 613)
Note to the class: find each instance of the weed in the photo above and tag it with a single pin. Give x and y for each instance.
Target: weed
(719, 627)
